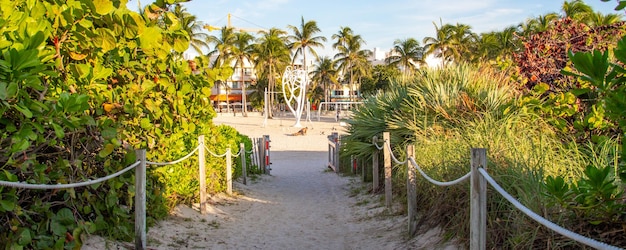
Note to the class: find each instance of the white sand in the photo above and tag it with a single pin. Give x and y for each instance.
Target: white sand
(301, 205)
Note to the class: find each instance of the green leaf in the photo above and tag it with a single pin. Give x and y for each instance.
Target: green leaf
(111, 199)
(20, 145)
(7, 205)
(24, 237)
(65, 217)
(541, 88)
(57, 228)
(82, 70)
(25, 111)
(107, 150)
(105, 39)
(621, 5)
(3, 90)
(103, 7)
(100, 72)
(180, 45)
(592, 65)
(150, 38)
(146, 123)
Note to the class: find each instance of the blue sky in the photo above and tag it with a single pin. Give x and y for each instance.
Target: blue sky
(379, 22)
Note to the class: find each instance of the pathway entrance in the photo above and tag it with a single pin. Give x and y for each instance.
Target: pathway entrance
(302, 205)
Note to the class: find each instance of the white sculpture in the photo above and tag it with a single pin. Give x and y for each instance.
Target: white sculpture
(294, 90)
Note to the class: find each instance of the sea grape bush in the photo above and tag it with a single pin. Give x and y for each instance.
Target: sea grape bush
(562, 98)
(82, 84)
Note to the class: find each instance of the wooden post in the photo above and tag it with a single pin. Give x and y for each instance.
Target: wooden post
(375, 180)
(266, 146)
(478, 195)
(363, 169)
(352, 164)
(242, 154)
(337, 150)
(229, 172)
(140, 200)
(387, 159)
(411, 184)
(261, 155)
(330, 152)
(202, 177)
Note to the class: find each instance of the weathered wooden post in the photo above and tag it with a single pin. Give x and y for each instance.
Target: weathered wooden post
(337, 150)
(202, 171)
(261, 155)
(387, 159)
(242, 154)
(266, 145)
(411, 184)
(363, 169)
(140, 200)
(375, 181)
(478, 194)
(229, 172)
(353, 164)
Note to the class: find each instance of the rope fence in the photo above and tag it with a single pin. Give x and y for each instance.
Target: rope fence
(479, 177)
(140, 181)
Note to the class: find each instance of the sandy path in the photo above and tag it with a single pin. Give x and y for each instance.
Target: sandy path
(301, 205)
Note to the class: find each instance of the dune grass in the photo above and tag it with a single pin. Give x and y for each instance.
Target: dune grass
(445, 113)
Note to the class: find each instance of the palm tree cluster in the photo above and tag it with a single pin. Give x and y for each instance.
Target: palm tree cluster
(272, 50)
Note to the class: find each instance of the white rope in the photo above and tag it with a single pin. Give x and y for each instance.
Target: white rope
(71, 185)
(250, 152)
(176, 161)
(439, 183)
(567, 233)
(237, 155)
(376, 145)
(393, 156)
(214, 154)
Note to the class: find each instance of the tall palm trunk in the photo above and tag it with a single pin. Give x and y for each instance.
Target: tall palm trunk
(270, 96)
(244, 104)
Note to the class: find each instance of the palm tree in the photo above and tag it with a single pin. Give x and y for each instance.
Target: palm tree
(197, 39)
(304, 40)
(223, 52)
(406, 54)
(325, 73)
(440, 44)
(462, 39)
(271, 53)
(223, 46)
(576, 10)
(350, 55)
(540, 24)
(242, 51)
(597, 19)
(342, 37)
